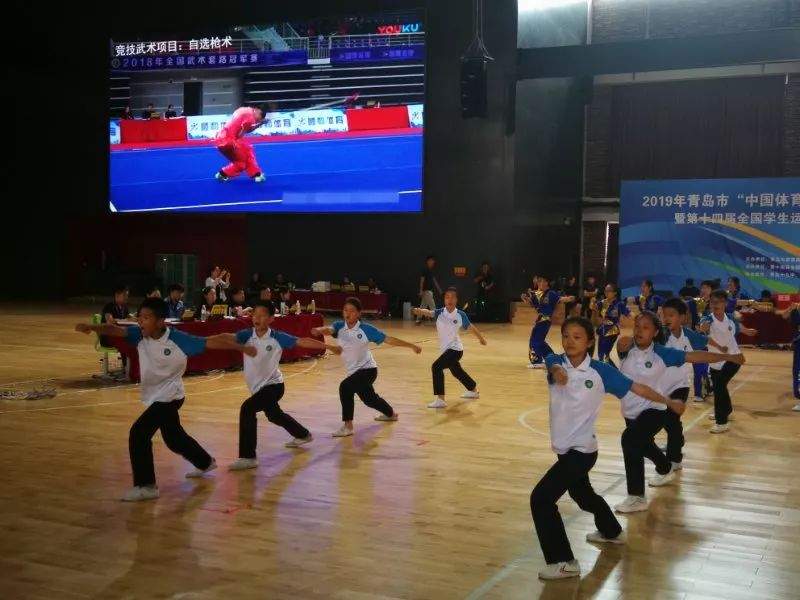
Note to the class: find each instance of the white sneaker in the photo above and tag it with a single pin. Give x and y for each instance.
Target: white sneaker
(472, 395)
(383, 417)
(137, 494)
(677, 466)
(200, 472)
(632, 504)
(659, 480)
(242, 464)
(796, 407)
(539, 366)
(343, 431)
(720, 428)
(297, 442)
(561, 570)
(599, 538)
(437, 403)
(260, 178)
(699, 399)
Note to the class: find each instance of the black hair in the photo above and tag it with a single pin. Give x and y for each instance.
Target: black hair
(236, 290)
(719, 295)
(580, 322)
(766, 294)
(169, 106)
(208, 289)
(120, 289)
(735, 280)
(676, 304)
(430, 257)
(648, 283)
(265, 305)
(175, 287)
(354, 302)
(451, 289)
(614, 287)
(264, 107)
(653, 318)
(157, 305)
(707, 283)
(155, 287)
(689, 281)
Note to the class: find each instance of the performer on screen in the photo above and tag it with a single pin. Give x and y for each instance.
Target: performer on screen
(234, 146)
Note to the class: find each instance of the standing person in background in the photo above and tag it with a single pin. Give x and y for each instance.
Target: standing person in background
(689, 290)
(254, 287)
(232, 144)
(175, 307)
(485, 281)
(736, 297)
(220, 280)
(606, 316)
(427, 285)
(280, 284)
(792, 313)
(544, 302)
(589, 294)
(572, 290)
(648, 300)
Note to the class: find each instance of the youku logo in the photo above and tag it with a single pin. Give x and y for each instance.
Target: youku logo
(400, 28)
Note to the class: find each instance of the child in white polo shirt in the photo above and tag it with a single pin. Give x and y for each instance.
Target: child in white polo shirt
(265, 381)
(362, 370)
(449, 321)
(163, 352)
(723, 328)
(645, 359)
(577, 386)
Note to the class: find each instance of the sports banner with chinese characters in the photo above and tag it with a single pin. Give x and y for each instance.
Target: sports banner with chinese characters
(208, 60)
(709, 229)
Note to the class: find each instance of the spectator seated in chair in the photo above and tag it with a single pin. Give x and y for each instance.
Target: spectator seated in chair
(175, 306)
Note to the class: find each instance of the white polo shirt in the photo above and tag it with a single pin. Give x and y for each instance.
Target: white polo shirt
(723, 331)
(574, 407)
(648, 367)
(262, 369)
(448, 325)
(163, 361)
(675, 378)
(355, 344)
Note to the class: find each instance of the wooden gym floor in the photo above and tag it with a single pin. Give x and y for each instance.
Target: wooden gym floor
(433, 506)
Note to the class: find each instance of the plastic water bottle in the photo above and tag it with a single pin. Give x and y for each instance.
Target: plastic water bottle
(203, 313)
(313, 307)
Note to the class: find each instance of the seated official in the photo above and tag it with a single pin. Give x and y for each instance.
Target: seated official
(170, 112)
(265, 296)
(127, 114)
(208, 298)
(238, 303)
(281, 285)
(175, 306)
(118, 308)
(150, 112)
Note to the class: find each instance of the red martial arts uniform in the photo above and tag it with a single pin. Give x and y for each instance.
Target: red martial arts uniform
(233, 145)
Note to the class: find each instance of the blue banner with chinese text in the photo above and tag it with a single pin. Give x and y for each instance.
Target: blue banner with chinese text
(208, 60)
(710, 228)
(378, 54)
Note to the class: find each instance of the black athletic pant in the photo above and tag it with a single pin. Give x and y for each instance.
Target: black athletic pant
(266, 399)
(449, 360)
(360, 383)
(163, 416)
(722, 399)
(638, 442)
(570, 474)
(674, 428)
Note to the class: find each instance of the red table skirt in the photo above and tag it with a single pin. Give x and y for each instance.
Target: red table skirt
(772, 329)
(296, 325)
(377, 304)
(389, 117)
(152, 130)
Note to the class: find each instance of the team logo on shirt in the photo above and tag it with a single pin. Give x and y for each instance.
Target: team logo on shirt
(648, 364)
(730, 328)
(359, 336)
(269, 348)
(455, 320)
(589, 384)
(167, 351)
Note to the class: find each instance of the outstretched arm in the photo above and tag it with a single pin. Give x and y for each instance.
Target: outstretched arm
(393, 341)
(313, 344)
(227, 341)
(422, 312)
(748, 331)
(786, 312)
(478, 334)
(104, 329)
(322, 330)
(710, 357)
(648, 393)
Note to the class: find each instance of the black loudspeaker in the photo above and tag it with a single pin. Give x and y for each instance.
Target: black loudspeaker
(473, 87)
(193, 98)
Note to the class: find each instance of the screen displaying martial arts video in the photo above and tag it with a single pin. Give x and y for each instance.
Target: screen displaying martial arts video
(323, 115)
